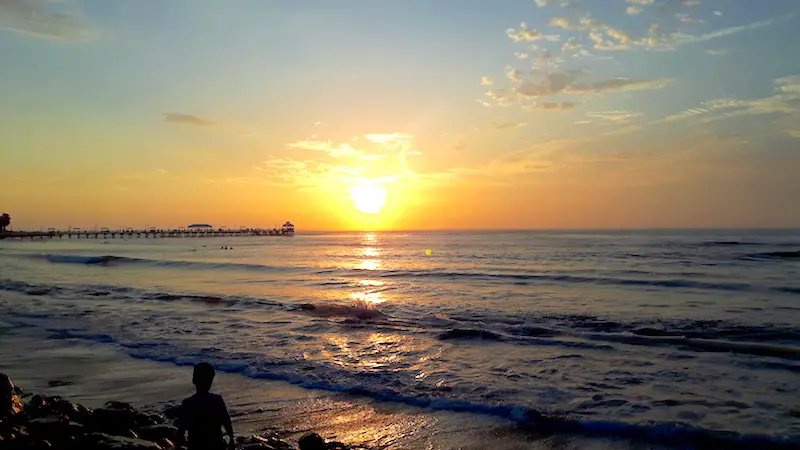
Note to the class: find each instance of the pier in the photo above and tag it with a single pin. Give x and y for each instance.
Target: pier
(192, 231)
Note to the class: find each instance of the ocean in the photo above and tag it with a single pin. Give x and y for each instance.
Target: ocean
(648, 336)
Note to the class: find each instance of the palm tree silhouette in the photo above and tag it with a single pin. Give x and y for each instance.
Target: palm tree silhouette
(5, 221)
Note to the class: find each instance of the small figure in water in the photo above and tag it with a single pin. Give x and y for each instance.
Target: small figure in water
(204, 414)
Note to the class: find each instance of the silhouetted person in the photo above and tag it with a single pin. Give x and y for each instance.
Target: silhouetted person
(311, 441)
(204, 414)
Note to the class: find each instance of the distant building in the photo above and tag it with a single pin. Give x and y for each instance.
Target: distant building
(287, 228)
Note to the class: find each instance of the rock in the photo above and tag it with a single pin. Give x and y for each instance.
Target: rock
(269, 442)
(130, 434)
(118, 418)
(336, 446)
(119, 405)
(277, 443)
(13, 432)
(156, 419)
(258, 446)
(166, 443)
(311, 441)
(113, 420)
(50, 406)
(173, 412)
(10, 404)
(101, 441)
(52, 424)
(15, 437)
(58, 431)
(157, 433)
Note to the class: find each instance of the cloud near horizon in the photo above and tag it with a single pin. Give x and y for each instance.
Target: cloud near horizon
(187, 119)
(377, 157)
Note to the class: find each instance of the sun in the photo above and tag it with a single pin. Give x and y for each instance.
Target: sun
(368, 198)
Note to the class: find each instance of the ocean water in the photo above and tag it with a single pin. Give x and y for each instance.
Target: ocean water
(673, 333)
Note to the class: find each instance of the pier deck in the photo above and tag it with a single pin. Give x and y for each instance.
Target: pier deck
(144, 234)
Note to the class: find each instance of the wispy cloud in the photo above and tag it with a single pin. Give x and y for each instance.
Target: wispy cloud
(719, 51)
(613, 117)
(566, 82)
(634, 10)
(618, 84)
(388, 138)
(501, 123)
(343, 150)
(529, 34)
(686, 39)
(550, 106)
(187, 119)
(373, 156)
(43, 19)
(785, 101)
(686, 18)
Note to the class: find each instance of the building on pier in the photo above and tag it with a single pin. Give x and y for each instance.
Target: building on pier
(287, 229)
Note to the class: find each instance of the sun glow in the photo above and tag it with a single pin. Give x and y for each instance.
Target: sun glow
(368, 198)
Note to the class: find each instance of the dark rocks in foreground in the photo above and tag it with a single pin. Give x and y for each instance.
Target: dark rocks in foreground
(53, 423)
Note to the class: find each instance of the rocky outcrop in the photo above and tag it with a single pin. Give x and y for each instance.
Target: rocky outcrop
(10, 403)
(54, 423)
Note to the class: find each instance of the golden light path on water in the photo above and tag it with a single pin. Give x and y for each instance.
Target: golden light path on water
(370, 261)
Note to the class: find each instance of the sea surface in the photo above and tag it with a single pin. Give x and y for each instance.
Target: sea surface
(684, 335)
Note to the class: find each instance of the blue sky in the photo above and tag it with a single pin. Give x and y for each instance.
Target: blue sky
(647, 101)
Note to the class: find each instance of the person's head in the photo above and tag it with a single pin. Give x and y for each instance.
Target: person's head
(311, 441)
(203, 376)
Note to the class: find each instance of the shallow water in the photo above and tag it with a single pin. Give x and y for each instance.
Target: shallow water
(612, 329)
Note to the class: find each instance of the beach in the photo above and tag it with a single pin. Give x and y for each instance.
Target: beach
(426, 340)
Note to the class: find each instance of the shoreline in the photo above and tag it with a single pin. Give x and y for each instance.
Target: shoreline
(95, 374)
(92, 374)
(33, 422)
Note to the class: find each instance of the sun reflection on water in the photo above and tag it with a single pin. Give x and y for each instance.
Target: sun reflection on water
(370, 251)
(372, 298)
(370, 264)
(368, 259)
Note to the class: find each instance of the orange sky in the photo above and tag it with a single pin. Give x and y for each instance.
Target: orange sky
(637, 116)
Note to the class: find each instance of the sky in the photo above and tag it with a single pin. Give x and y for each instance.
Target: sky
(400, 114)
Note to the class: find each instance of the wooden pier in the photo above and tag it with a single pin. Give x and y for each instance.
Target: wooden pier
(150, 233)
